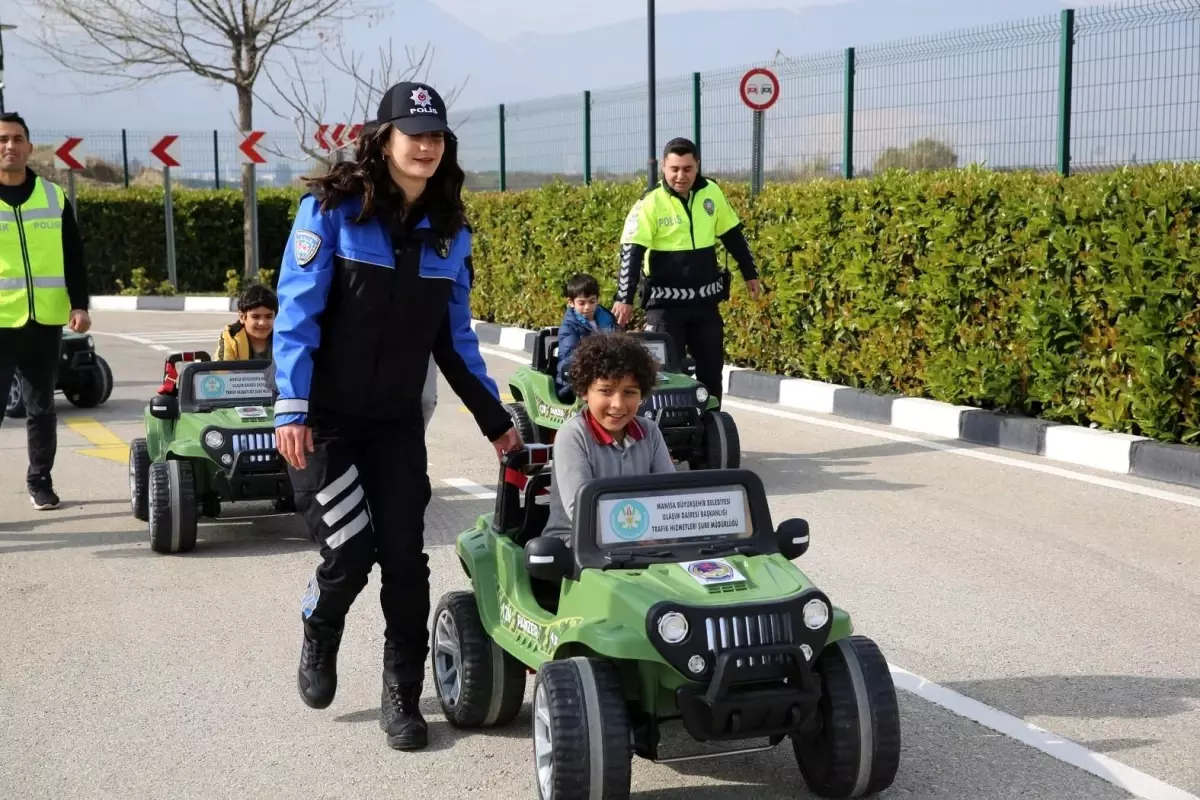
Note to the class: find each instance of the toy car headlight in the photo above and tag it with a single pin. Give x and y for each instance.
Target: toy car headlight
(673, 627)
(816, 614)
(701, 394)
(214, 439)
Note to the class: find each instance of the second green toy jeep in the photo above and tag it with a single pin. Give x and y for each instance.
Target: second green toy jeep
(209, 440)
(674, 599)
(84, 377)
(695, 428)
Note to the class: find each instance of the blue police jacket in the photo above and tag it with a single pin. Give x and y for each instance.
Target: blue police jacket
(360, 314)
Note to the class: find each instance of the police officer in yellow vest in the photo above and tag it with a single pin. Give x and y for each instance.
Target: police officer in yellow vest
(670, 243)
(43, 286)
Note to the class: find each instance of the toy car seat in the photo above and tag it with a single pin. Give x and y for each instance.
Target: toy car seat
(171, 372)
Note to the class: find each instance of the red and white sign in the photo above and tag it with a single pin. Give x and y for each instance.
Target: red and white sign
(337, 138)
(166, 150)
(63, 156)
(249, 148)
(759, 89)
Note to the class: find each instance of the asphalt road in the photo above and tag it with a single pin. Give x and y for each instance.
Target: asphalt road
(1015, 595)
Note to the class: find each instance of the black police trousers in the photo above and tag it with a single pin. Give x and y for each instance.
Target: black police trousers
(34, 351)
(363, 494)
(700, 331)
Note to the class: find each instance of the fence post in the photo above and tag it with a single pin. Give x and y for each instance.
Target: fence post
(125, 156)
(1066, 62)
(216, 161)
(696, 111)
(587, 137)
(503, 179)
(848, 124)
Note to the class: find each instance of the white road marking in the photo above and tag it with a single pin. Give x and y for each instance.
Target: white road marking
(470, 487)
(1120, 775)
(969, 452)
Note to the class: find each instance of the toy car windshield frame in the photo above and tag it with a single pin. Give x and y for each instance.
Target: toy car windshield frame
(190, 402)
(671, 363)
(591, 553)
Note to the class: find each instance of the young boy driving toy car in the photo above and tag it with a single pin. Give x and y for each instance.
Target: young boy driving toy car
(250, 337)
(612, 372)
(583, 317)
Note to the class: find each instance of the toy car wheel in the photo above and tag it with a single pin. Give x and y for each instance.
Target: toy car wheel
(478, 684)
(581, 741)
(522, 422)
(857, 749)
(94, 388)
(15, 408)
(139, 479)
(722, 444)
(172, 507)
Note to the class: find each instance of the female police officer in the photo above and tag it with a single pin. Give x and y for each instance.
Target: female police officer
(376, 277)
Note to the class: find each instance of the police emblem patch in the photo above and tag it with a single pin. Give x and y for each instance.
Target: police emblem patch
(710, 207)
(306, 245)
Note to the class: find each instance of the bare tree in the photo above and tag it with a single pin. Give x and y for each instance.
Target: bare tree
(304, 99)
(227, 41)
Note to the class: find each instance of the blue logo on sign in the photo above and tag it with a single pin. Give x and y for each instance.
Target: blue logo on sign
(630, 520)
(212, 387)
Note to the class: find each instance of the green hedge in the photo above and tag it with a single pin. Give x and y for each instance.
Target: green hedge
(1072, 299)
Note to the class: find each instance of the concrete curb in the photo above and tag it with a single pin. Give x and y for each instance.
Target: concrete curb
(1118, 453)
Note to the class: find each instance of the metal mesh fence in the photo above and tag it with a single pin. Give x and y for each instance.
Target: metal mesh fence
(994, 96)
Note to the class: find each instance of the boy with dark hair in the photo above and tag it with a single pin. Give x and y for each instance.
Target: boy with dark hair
(613, 373)
(583, 317)
(249, 338)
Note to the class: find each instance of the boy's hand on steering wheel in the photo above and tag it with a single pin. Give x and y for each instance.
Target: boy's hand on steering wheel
(507, 443)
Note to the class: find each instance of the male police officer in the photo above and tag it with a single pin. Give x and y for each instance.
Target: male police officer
(43, 286)
(671, 234)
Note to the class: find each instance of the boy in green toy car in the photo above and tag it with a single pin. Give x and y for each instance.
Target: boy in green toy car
(612, 373)
(584, 316)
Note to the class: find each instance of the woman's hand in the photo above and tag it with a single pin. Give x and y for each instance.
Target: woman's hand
(292, 442)
(507, 443)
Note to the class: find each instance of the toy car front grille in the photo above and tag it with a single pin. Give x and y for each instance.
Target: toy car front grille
(732, 631)
(659, 400)
(254, 441)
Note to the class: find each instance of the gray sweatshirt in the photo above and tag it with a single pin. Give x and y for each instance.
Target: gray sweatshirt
(583, 451)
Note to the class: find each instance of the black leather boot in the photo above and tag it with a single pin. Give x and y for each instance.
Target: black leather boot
(317, 675)
(400, 710)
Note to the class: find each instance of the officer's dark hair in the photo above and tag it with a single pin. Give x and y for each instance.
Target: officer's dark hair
(367, 177)
(681, 147)
(257, 296)
(12, 116)
(581, 285)
(612, 356)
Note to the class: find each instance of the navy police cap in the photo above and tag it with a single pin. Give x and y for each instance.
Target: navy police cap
(414, 108)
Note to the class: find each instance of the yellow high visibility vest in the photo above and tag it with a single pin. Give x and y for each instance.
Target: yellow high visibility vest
(33, 283)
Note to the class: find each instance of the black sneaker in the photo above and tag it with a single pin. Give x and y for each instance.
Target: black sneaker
(43, 498)
(317, 676)
(400, 715)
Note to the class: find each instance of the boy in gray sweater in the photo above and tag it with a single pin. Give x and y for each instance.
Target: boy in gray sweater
(612, 373)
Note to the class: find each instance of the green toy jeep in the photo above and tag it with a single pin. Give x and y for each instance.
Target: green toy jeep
(675, 599)
(210, 438)
(84, 377)
(695, 428)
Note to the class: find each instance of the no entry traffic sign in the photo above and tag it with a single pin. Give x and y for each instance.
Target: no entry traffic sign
(759, 88)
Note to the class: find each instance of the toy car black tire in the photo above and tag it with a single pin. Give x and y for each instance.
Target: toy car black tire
(522, 422)
(139, 480)
(15, 407)
(722, 444)
(172, 507)
(489, 687)
(578, 701)
(857, 751)
(95, 389)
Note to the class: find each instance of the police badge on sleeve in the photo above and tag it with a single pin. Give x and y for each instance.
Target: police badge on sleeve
(305, 245)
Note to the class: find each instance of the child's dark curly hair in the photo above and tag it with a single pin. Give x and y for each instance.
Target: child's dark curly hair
(612, 356)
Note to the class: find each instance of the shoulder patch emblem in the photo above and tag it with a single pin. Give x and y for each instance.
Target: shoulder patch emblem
(306, 245)
(710, 206)
(631, 219)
